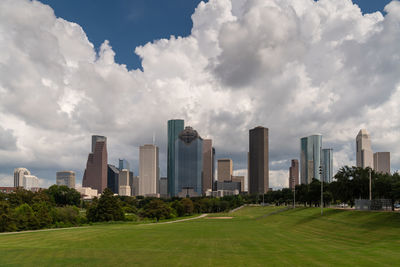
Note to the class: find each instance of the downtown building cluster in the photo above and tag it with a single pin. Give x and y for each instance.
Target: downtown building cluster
(193, 170)
(317, 162)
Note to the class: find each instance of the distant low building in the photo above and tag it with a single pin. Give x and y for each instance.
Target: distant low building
(239, 179)
(7, 190)
(87, 192)
(228, 185)
(221, 193)
(66, 178)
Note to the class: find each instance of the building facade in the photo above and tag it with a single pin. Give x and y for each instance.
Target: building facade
(258, 161)
(208, 158)
(225, 170)
(112, 178)
(293, 174)
(19, 174)
(310, 158)
(95, 175)
(163, 187)
(239, 179)
(188, 163)
(66, 178)
(382, 162)
(123, 182)
(123, 164)
(31, 182)
(364, 154)
(327, 165)
(174, 128)
(148, 170)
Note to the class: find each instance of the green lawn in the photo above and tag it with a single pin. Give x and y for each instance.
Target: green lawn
(290, 238)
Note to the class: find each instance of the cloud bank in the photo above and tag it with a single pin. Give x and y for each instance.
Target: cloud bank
(294, 66)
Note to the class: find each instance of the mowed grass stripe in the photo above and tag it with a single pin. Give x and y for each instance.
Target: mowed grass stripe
(294, 237)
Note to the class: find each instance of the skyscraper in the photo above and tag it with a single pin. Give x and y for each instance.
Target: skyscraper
(207, 165)
(310, 158)
(327, 164)
(148, 170)
(31, 182)
(113, 178)
(19, 174)
(95, 175)
(123, 182)
(364, 154)
(294, 174)
(382, 162)
(225, 170)
(163, 187)
(123, 164)
(66, 178)
(239, 179)
(258, 160)
(174, 128)
(188, 163)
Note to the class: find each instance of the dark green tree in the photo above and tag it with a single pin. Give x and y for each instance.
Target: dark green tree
(108, 208)
(7, 223)
(157, 209)
(63, 195)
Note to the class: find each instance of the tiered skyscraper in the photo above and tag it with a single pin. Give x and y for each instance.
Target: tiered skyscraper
(364, 156)
(294, 174)
(188, 163)
(174, 128)
(149, 173)
(24, 179)
(95, 175)
(258, 161)
(310, 158)
(208, 171)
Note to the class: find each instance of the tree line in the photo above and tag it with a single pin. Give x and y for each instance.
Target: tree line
(60, 206)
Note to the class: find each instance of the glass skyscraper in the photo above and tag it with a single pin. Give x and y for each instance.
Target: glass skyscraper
(123, 164)
(188, 163)
(174, 128)
(310, 158)
(327, 164)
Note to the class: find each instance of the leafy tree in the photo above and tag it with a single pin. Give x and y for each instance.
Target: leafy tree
(42, 213)
(25, 218)
(108, 208)
(63, 195)
(158, 209)
(187, 204)
(6, 221)
(178, 207)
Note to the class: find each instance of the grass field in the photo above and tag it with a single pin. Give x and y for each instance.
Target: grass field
(298, 237)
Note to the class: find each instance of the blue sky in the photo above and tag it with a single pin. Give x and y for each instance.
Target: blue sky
(131, 23)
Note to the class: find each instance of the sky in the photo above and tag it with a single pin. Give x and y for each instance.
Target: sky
(70, 69)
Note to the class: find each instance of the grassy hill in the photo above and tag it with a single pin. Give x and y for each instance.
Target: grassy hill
(255, 236)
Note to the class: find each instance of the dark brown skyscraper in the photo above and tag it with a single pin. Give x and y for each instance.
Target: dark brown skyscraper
(95, 175)
(258, 161)
(207, 165)
(294, 174)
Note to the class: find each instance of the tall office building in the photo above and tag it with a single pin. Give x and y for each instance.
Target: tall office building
(207, 165)
(310, 158)
(148, 170)
(163, 187)
(112, 178)
(123, 164)
(225, 170)
(294, 174)
(31, 182)
(66, 178)
(364, 154)
(95, 175)
(382, 162)
(258, 161)
(327, 164)
(188, 164)
(174, 128)
(19, 174)
(123, 182)
(97, 138)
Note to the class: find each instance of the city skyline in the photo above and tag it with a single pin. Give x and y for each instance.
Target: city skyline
(82, 90)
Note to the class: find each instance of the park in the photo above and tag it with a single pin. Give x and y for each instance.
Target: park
(249, 236)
